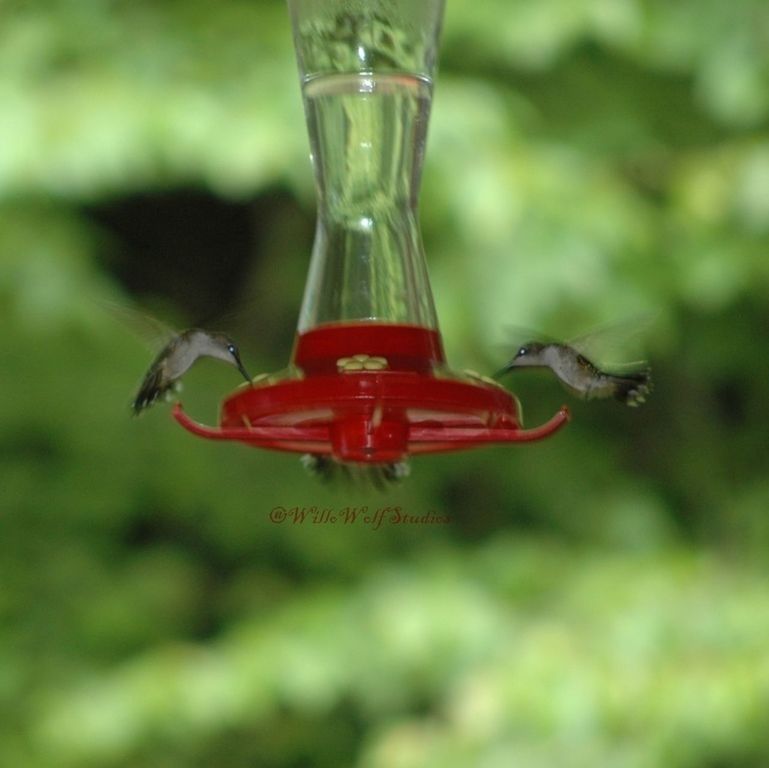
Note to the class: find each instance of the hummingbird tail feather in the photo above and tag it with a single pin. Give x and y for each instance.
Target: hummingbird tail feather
(632, 388)
(149, 392)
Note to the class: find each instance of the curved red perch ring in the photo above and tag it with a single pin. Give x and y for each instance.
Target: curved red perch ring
(369, 392)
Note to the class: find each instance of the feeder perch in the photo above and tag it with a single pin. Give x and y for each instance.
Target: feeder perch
(368, 380)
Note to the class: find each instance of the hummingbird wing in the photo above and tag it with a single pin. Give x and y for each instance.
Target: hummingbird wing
(151, 331)
(157, 336)
(617, 346)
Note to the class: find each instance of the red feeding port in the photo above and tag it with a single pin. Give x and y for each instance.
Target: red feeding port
(371, 393)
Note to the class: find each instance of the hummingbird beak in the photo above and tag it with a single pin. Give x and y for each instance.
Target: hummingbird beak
(242, 369)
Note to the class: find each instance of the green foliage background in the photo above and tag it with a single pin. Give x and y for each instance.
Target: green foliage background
(599, 599)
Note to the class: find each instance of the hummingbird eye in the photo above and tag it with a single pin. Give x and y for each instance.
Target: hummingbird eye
(232, 349)
(522, 351)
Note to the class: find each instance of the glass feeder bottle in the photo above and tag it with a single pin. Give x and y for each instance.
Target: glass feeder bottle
(366, 70)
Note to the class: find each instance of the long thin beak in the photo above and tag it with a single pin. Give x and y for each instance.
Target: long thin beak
(242, 370)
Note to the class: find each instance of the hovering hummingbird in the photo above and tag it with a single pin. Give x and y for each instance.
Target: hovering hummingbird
(178, 356)
(379, 475)
(581, 377)
(630, 384)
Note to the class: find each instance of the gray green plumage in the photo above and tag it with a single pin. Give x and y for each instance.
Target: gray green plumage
(177, 357)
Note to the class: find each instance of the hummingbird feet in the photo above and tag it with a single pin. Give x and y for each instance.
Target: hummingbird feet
(632, 388)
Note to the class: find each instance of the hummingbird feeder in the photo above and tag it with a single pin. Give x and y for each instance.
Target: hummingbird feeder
(368, 381)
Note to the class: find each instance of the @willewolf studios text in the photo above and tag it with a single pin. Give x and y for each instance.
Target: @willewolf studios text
(375, 517)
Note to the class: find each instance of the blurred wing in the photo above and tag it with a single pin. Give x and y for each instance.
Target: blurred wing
(148, 329)
(617, 346)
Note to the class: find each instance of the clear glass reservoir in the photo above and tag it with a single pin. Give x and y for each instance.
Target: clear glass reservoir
(366, 68)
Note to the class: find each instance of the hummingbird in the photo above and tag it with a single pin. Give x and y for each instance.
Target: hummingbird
(178, 356)
(579, 375)
(380, 476)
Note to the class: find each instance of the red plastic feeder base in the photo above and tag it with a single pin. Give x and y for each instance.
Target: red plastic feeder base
(370, 393)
